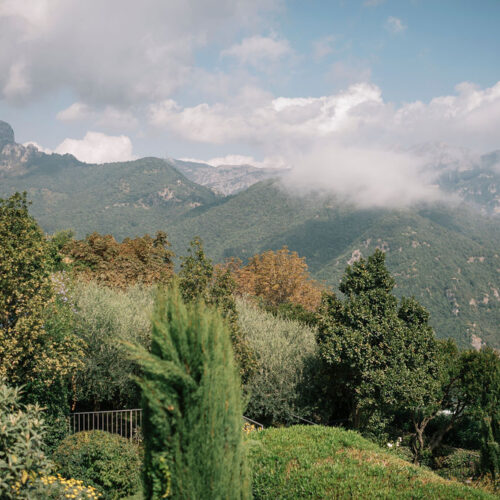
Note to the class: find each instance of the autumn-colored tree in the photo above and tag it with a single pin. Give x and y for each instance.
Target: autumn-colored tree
(32, 350)
(101, 258)
(278, 278)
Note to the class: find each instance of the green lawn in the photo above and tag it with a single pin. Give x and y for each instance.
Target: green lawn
(324, 462)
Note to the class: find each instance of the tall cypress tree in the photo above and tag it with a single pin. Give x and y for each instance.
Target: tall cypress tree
(192, 405)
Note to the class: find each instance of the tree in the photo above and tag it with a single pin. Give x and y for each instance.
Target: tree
(30, 351)
(468, 386)
(144, 260)
(192, 405)
(379, 354)
(279, 278)
(199, 280)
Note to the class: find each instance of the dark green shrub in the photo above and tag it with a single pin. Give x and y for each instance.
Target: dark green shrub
(192, 405)
(106, 461)
(459, 464)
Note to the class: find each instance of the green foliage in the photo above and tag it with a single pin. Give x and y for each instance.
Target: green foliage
(282, 350)
(25, 291)
(106, 319)
(382, 356)
(36, 345)
(480, 386)
(445, 256)
(328, 462)
(459, 464)
(198, 280)
(490, 449)
(22, 460)
(192, 405)
(108, 462)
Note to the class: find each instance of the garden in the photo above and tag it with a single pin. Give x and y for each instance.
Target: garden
(356, 396)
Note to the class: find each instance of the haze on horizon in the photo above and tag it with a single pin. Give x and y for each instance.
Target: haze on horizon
(357, 97)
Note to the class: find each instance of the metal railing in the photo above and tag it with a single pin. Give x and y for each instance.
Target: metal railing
(126, 423)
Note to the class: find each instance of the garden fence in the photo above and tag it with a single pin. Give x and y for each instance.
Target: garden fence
(126, 423)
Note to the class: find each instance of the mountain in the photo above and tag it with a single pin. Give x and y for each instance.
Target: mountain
(125, 198)
(473, 178)
(446, 255)
(225, 179)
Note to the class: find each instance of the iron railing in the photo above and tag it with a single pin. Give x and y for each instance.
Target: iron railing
(126, 423)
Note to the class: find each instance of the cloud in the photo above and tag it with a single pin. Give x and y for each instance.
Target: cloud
(395, 25)
(323, 47)
(352, 142)
(258, 50)
(268, 162)
(117, 52)
(38, 146)
(96, 147)
(77, 111)
(110, 116)
(343, 73)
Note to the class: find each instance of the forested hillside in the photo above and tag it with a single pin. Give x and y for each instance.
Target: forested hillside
(446, 255)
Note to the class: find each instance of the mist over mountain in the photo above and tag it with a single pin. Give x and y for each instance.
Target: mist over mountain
(444, 250)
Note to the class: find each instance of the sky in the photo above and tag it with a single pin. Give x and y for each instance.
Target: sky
(335, 89)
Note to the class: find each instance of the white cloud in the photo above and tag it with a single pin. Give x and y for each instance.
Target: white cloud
(268, 162)
(116, 52)
(352, 142)
(96, 147)
(38, 146)
(395, 25)
(17, 84)
(77, 111)
(257, 50)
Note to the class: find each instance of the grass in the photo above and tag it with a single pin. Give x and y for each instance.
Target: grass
(324, 462)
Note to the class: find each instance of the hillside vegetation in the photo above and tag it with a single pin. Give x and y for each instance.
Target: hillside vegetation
(329, 462)
(445, 255)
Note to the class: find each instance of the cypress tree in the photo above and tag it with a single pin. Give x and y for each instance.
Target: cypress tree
(192, 405)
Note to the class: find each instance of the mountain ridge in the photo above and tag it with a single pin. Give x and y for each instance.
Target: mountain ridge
(446, 255)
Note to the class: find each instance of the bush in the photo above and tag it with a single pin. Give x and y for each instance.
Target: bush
(108, 462)
(282, 349)
(22, 460)
(459, 464)
(192, 405)
(105, 319)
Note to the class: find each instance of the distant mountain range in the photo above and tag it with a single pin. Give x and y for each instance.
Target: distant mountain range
(447, 256)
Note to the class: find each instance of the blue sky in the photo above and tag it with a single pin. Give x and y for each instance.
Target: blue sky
(258, 79)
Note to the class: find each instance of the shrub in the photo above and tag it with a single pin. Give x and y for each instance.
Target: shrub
(459, 464)
(192, 405)
(22, 460)
(105, 319)
(282, 349)
(106, 461)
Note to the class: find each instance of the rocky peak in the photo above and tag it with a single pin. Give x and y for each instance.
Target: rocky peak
(6, 134)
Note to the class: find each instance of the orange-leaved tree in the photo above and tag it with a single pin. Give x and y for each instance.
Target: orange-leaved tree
(278, 278)
(144, 260)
